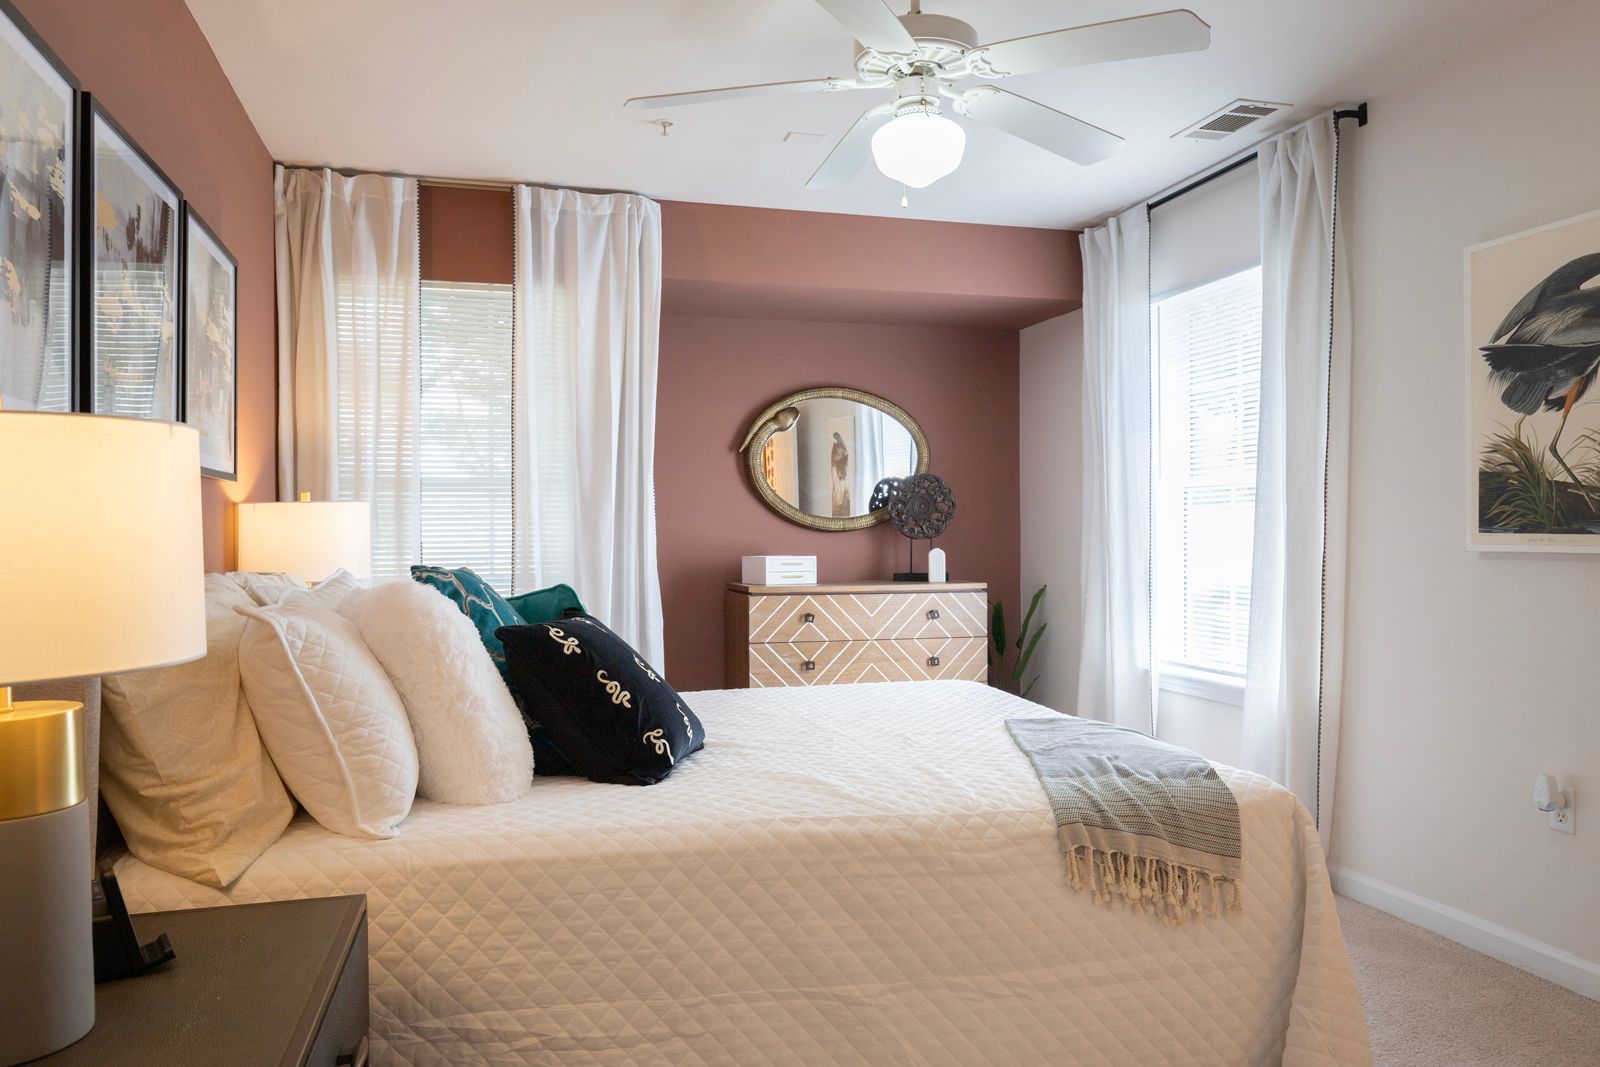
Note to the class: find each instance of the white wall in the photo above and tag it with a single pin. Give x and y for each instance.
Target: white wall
(1051, 443)
(1209, 727)
(1464, 674)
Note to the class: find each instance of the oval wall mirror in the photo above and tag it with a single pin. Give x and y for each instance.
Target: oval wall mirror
(816, 456)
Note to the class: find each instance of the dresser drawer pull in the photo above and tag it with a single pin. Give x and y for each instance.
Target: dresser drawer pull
(809, 665)
(358, 1058)
(808, 617)
(933, 661)
(933, 614)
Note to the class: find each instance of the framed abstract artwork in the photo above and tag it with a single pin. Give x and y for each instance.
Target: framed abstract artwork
(1533, 415)
(131, 277)
(210, 345)
(39, 141)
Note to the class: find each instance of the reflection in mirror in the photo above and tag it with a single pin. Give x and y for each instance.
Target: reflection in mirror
(828, 462)
(822, 452)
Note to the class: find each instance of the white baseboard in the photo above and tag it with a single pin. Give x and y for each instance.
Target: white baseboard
(1491, 939)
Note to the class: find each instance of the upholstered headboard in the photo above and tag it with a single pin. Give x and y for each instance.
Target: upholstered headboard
(87, 692)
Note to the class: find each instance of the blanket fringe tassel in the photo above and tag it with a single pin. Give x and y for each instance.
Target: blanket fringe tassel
(1170, 891)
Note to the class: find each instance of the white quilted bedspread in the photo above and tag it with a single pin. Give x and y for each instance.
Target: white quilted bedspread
(859, 874)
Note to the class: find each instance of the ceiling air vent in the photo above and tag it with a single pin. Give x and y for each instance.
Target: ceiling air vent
(1230, 120)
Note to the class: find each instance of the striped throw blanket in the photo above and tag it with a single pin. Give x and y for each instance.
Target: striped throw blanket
(1142, 823)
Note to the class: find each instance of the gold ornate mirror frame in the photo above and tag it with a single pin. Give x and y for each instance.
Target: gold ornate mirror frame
(782, 414)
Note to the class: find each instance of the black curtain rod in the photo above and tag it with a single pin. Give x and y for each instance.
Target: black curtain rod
(1203, 179)
(1359, 113)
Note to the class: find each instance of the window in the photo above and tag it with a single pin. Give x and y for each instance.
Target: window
(376, 416)
(1207, 347)
(466, 428)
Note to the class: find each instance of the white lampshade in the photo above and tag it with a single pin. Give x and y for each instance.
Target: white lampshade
(100, 535)
(311, 539)
(917, 148)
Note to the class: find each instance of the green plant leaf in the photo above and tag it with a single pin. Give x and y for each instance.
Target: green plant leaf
(1027, 620)
(1022, 660)
(1029, 687)
(997, 628)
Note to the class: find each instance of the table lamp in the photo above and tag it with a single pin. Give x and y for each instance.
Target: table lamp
(309, 539)
(100, 535)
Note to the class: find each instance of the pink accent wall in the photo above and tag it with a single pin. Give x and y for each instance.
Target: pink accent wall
(759, 303)
(717, 374)
(745, 262)
(153, 69)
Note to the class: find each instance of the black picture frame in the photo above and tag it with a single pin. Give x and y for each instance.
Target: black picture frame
(73, 156)
(192, 377)
(95, 121)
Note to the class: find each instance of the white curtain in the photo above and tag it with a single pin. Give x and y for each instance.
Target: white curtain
(584, 353)
(349, 375)
(868, 465)
(1296, 650)
(1116, 678)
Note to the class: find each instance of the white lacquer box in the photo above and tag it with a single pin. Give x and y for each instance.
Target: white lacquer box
(780, 570)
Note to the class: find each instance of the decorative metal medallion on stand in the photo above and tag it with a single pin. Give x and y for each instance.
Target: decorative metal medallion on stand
(920, 507)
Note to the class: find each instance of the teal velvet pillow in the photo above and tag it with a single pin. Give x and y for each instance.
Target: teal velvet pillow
(545, 605)
(477, 599)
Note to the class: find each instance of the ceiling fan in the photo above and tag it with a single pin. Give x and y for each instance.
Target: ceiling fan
(922, 57)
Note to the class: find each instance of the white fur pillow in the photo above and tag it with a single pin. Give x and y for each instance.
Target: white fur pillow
(329, 716)
(472, 745)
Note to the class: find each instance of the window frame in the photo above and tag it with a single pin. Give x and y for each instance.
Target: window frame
(1173, 675)
(479, 301)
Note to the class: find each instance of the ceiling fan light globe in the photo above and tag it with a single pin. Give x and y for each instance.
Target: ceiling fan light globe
(918, 148)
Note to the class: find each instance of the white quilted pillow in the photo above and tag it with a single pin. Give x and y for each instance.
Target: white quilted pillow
(472, 745)
(330, 592)
(329, 717)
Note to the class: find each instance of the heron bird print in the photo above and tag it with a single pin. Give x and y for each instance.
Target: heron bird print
(1534, 306)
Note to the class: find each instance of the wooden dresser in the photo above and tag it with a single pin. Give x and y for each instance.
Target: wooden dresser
(797, 635)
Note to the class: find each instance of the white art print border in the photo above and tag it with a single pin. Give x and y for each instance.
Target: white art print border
(1477, 540)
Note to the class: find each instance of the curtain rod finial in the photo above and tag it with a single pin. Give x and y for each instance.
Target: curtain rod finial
(1359, 113)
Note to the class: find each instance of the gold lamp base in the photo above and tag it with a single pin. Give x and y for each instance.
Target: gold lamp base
(41, 756)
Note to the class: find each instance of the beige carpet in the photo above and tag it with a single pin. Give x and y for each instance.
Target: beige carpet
(1431, 1002)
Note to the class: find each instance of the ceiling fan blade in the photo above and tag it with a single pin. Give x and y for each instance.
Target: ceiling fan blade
(852, 151)
(1147, 35)
(872, 23)
(1046, 127)
(741, 92)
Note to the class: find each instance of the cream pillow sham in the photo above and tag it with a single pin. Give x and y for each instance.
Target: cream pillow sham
(181, 765)
(329, 716)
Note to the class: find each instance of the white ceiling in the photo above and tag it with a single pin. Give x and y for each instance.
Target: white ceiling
(533, 90)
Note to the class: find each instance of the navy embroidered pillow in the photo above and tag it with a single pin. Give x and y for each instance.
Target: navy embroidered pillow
(613, 714)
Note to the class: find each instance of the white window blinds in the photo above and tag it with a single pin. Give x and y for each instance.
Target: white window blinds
(1207, 345)
(376, 403)
(466, 428)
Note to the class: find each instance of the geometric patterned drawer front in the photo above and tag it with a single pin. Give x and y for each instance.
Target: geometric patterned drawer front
(866, 616)
(927, 658)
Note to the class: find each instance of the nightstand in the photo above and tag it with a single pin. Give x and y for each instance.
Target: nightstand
(281, 984)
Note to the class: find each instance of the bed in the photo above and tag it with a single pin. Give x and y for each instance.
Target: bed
(861, 874)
